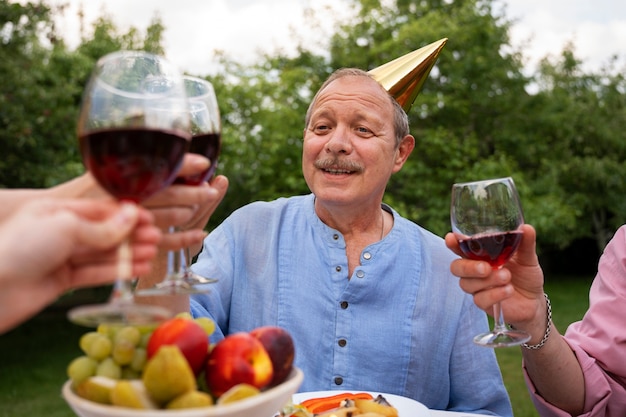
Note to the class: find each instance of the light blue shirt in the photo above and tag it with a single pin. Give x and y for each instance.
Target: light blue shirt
(400, 324)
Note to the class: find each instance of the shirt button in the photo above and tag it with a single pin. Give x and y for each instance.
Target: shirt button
(342, 342)
(338, 268)
(360, 274)
(344, 304)
(335, 236)
(367, 255)
(338, 380)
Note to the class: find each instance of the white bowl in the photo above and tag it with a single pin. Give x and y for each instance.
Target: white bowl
(266, 404)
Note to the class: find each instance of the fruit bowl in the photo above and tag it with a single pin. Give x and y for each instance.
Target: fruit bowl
(266, 404)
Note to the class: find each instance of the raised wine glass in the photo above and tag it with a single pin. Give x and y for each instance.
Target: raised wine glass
(486, 217)
(206, 140)
(133, 148)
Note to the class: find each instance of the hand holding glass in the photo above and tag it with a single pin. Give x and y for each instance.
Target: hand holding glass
(133, 148)
(486, 217)
(206, 141)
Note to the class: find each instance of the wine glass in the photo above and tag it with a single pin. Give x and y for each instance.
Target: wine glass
(133, 148)
(206, 141)
(486, 217)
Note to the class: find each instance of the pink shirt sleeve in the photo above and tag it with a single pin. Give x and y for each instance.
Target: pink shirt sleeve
(599, 339)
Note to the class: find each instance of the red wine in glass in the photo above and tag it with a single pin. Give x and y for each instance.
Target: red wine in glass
(486, 217)
(133, 131)
(495, 248)
(133, 164)
(205, 132)
(205, 144)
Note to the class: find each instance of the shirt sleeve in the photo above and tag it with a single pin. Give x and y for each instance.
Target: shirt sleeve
(599, 339)
(599, 388)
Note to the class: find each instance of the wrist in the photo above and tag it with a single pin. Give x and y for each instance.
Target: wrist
(540, 332)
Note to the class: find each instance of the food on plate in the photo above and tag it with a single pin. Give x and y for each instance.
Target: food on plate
(345, 404)
(168, 375)
(237, 393)
(96, 388)
(279, 345)
(321, 404)
(132, 394)
(173, 365)
(191, 399)
(188, 335)
(239, 358)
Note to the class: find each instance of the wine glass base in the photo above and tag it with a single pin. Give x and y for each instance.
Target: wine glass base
(118, 313)
(171, 287)
(502, 338)
(195, 279)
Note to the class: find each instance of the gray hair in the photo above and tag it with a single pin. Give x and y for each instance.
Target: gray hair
(401, 120)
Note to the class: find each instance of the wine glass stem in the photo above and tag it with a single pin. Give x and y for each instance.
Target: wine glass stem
(123, 287)
(174, 261)
(498, 317)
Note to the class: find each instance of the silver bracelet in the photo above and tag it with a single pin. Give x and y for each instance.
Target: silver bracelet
(548, 327)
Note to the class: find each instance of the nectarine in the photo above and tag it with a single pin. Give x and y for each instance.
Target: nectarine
(238, 358)
(279, 345)
(189, 336)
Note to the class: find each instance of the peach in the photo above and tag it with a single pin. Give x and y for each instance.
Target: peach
(238, 358)
(280, 346)
(189, 336)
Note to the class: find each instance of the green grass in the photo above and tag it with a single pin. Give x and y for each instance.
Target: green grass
(33, 357)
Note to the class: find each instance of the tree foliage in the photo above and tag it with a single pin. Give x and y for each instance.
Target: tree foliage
(474, 118)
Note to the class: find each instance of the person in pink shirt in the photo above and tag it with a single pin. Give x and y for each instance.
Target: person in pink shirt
(580, 373)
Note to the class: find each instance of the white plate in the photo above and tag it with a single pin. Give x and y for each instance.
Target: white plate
(406, 407)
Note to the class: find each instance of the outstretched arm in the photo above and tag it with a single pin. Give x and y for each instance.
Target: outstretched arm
(553, 368)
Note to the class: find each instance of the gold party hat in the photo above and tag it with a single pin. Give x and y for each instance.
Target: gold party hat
(404, 76)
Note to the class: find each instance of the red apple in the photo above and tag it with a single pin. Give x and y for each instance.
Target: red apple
(279, 345)
(189, 336)
(236, 359)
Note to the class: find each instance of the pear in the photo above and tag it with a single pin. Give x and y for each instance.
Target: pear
(132, 394)
(96, 388)
(167, 375)
(191, 399)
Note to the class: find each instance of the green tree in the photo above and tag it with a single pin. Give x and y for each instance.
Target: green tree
(42, 83)
(576, 143)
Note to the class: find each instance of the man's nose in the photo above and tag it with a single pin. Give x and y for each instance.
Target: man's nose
(339, 141)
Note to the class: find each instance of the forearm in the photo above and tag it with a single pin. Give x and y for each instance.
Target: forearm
(555, 372)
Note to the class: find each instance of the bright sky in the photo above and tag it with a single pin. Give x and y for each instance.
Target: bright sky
(195, 28)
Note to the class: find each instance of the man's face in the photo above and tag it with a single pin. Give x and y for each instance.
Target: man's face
(349, 150)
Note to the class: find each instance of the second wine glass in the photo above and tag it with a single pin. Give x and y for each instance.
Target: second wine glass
(486, 217)
(206, 141)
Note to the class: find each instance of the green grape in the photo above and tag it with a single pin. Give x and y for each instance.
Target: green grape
(109, 368)
(128, 373)
(108, 329)
(184, 315)
(81, 368)
(123, 351)
(144, 340)
(130, 334)
(86, 340)
(100, 347)
(139, 359)
(207, 324)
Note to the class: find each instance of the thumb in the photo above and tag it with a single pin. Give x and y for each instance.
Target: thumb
(526, 252)
(110, 232)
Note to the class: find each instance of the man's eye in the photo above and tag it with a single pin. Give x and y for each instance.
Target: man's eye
(321, 128)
